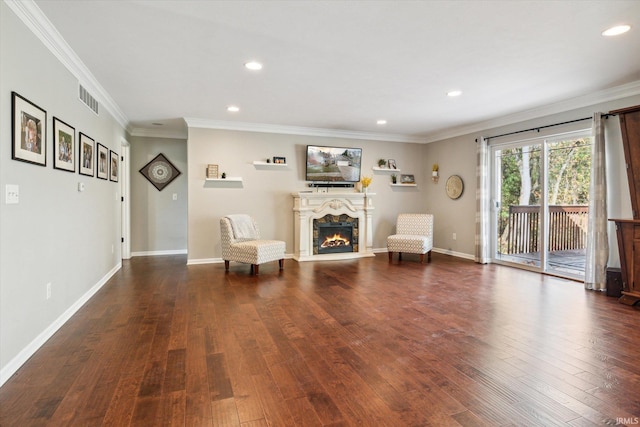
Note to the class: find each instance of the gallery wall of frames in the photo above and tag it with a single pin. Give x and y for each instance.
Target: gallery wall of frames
(82, 154)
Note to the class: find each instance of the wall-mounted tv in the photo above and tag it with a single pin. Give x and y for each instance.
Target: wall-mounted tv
(333, 164)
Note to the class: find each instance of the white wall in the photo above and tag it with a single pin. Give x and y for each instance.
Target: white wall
(266, 194)
(158, 222)
(55, 234)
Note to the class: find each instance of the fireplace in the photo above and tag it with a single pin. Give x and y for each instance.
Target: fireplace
(339, 217)
(335, 234)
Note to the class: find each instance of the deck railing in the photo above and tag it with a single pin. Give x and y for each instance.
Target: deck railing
(567, 228)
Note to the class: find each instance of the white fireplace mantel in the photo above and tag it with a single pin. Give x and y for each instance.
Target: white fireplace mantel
(308, 206)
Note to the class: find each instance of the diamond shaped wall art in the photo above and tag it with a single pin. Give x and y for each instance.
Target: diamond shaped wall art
(160, 171)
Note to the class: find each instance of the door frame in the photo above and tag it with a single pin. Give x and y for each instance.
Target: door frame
(125, 212)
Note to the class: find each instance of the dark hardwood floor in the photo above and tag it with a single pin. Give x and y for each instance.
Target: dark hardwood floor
(358, 342)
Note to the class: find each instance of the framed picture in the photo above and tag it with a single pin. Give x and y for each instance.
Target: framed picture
(102, 164)
(29, 131)
(64, 144)
(407, 179)
(212, 171)
(86, 154)
(391, 164)
(160, 172)
(114, 161)
(279, 160)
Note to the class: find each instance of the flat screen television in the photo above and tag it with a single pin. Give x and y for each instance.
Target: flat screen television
(333, 164)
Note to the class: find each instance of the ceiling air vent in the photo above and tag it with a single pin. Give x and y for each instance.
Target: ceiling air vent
(89, 100)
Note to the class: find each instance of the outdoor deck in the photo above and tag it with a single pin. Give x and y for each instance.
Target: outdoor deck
(571, 261)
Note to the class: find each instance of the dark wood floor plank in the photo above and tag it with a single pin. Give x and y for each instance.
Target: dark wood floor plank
(225, 413)
(335, 343)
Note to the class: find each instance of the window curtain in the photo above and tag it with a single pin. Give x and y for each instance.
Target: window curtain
(482, 255)
(597, 239)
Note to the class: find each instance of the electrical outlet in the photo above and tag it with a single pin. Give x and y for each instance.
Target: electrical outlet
(454, 236)
(48, 290)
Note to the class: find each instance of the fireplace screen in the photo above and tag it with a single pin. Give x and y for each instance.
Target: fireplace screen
(335, 233)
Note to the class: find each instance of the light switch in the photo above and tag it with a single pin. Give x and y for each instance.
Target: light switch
(12, 194)
(81, 186)
(175, 196)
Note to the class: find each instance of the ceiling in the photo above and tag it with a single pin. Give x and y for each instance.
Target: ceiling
(345, 64)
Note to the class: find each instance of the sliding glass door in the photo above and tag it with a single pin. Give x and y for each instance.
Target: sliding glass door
(518, 204)
(540, 196)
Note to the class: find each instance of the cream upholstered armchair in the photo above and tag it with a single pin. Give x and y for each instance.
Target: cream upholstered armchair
(414, 235)
(241, 243)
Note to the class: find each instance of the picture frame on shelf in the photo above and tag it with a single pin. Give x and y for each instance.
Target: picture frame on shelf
(64, 146)
(212, 171)
(29, 131)
(102, 162)
(114, 166)
(391, 164)
(407, 179)
(86, 151)
(279, 160)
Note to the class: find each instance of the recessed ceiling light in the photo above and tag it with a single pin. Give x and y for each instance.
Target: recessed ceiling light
(157, 124)
(454, 93)
(233, 108)
(616, 31)
(253, 65)
(381, 122)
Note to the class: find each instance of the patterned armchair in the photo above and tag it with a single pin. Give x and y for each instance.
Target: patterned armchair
(241, 243)
(414, 236)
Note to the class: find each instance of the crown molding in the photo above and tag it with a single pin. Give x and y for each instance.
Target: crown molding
(298, 130)
(33, 17)
(606, 95)
(158, 133)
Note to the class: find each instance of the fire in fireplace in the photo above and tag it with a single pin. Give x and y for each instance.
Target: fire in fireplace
(335, 241)
(334, 234)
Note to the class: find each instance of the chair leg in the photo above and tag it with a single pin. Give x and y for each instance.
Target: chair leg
(390, 256)
(421, 258)
(429, 256)
(281, 264)
(226, 265)
(256, 269)
(399, 256)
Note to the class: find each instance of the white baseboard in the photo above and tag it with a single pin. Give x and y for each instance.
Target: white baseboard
(454, 253)
(219, 260)
(24, 355)
(204, 261)
(440, 251)
(158, 253)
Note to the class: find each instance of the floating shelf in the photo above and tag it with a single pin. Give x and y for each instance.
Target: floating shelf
(272, 166)
(230, 182)
(403, 185)
(377, 169)
(229, 179)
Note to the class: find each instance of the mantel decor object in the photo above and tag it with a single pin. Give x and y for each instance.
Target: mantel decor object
(160, 172)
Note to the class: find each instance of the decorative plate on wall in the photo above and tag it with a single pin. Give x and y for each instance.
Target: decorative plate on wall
(160, 172)
(454, 187)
